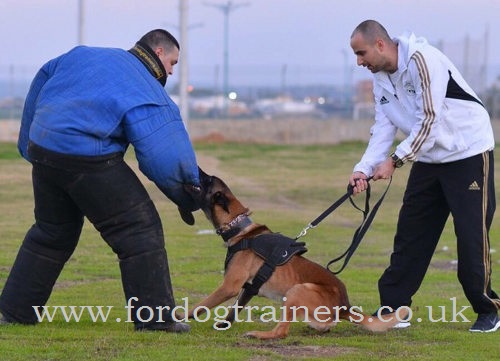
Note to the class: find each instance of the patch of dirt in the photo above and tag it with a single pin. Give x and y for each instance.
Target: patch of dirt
(211, 166)
(15, 173)
(208, 163)
(71, 283)
(294, 351)
(213, 137)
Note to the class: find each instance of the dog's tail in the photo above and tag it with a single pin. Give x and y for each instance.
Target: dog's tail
(373, 323)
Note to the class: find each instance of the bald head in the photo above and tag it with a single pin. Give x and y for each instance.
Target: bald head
(374, 48)
(371, 30)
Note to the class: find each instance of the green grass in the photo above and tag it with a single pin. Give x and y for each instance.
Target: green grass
(286, 187)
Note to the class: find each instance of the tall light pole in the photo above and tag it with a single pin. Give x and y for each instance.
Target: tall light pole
(184, 78)
(81, 21)
(184, 28)
(226, 10)
(347, 78)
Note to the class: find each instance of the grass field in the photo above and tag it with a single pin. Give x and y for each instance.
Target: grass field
(286, 187)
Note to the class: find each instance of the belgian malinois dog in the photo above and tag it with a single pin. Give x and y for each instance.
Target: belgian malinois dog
(309, 291)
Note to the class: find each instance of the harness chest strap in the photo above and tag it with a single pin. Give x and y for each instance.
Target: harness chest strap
(274, 248)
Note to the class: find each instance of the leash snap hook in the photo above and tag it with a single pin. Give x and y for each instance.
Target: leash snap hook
(304, 231)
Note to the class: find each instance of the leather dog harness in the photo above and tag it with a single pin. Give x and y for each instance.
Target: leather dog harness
(274, 248)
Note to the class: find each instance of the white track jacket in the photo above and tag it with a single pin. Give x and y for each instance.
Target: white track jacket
(431, 104)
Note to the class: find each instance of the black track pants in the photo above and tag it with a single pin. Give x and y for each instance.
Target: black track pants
(465, 189)
(109, 194)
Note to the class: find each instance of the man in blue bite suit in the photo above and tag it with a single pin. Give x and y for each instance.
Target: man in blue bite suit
(83, 110)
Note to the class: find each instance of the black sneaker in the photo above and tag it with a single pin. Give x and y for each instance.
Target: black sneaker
(177, 327)
(174, 327)
(486, 322)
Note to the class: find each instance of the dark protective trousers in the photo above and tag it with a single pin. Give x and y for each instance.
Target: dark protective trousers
(465, 189)
(107, 192)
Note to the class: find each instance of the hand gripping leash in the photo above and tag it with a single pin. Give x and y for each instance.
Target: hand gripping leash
(368, 217)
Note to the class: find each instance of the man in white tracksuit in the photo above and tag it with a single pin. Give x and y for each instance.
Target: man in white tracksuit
(450, 142)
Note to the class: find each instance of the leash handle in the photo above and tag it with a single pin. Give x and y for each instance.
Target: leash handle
(360, 232)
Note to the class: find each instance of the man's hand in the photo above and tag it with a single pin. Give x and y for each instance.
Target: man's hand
(384, 170)
(359, 182)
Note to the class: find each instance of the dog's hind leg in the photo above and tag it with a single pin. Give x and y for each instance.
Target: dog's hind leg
(300, 303)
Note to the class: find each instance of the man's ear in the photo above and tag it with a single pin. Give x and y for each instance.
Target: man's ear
(159, 51)
(186, 216)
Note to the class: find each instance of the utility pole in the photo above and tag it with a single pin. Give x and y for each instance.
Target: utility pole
(184, 77)
(184, 28)
(347, 79)
(226, 9)
(284, 72)
(81, 21)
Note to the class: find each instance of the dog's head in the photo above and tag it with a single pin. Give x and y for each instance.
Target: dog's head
(216, 200)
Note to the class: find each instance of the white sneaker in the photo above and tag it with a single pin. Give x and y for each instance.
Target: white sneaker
(402, 324)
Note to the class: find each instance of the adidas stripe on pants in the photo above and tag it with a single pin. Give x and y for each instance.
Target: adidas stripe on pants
(465, 189)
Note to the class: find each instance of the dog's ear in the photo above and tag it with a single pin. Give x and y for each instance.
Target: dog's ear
(202, 174)
(186, 216)
(220, 199)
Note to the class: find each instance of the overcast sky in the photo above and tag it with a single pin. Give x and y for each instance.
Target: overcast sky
(298, 33)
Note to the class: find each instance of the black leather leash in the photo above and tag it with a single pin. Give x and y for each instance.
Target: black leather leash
(368, 217)
(265, 272)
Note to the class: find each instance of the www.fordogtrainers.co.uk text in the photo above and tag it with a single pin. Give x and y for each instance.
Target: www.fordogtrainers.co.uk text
(449, 313)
